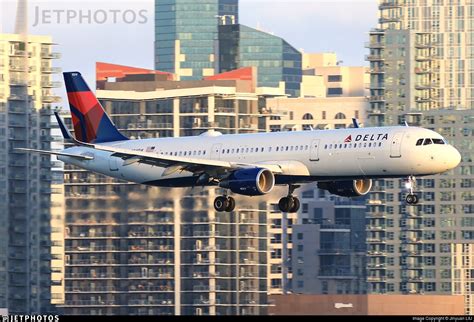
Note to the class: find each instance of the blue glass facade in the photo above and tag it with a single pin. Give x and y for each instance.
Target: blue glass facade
(186, 33)
(275, 59)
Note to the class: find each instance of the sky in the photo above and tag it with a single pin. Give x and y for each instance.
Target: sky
(122, 31)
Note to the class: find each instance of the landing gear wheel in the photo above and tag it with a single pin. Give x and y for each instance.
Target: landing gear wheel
(231, 204)
(412, 199)
(286, 204)
(221, 203)
(296, 205)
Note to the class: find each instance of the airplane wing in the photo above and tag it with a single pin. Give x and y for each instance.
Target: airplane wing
(81, 157)
(173, 163)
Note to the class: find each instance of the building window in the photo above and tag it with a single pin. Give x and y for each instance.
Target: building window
(335, 91)
(340, 116)
(308, 116)
(335, 78)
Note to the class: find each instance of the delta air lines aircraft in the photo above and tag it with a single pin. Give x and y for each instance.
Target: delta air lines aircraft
(342, 161)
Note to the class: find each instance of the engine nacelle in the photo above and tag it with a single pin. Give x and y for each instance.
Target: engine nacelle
(351, 188)
(250, 182)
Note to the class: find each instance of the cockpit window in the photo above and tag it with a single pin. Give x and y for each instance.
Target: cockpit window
(428, 142)
(419, 142)
(438, 141)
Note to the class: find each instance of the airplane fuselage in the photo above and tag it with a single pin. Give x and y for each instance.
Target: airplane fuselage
(306, 156)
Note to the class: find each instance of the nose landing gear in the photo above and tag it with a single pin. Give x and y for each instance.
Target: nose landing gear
(290, 204)
(411, 198)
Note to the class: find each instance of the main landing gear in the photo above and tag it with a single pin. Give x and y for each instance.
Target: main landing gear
(224, 203)
(411, 198)
(290, 203)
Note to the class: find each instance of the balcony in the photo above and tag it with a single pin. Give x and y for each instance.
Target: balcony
(377, 86)
(389, 19)
(377, 98)
(51, 84)
(423, 58)
(18, 68)
(51, 99)
(390, 4)
(18, 53)
(18, 97)
(156, 302)
(50, 55)
(377, 70)
(50, 70)
(90, 303)
(149, 126)
(374, 44)
(374, 57)
(376, 240)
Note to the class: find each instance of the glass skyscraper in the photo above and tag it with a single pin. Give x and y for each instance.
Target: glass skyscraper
(186, 33)
(276, 60)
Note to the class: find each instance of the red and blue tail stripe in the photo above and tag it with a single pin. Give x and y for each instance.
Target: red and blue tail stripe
(91, 122)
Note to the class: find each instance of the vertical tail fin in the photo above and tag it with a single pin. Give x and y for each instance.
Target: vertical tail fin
(91, 122)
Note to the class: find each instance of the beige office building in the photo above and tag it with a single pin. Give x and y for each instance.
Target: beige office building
(325, 76)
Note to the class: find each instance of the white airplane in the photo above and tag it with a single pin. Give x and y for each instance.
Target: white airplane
(342, 161)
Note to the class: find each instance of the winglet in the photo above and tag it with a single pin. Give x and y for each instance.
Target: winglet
(64, 130)
(66, 134)
(356, 123)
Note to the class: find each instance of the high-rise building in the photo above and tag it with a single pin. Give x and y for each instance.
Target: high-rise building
(186, 34)
(329, 244)
(26, 69)
(421, 57)
(198, 39)
(278, 63)
(420, 61)
(411, 248)
(132, 249)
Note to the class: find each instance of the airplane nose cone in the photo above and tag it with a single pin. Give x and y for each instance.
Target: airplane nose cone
(454, 158)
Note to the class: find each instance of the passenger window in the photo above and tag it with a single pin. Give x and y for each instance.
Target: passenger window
(419, 142)
(277, 148)
(370, 144)
(427, 142)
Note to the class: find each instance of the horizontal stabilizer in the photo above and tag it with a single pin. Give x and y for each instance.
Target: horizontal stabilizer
(81, 157)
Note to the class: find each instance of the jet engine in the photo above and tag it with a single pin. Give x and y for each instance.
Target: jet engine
(250, 182)
(350, 188)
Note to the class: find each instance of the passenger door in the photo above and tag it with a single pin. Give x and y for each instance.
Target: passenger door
(396, 145)
(113, 163)
(314, 151)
